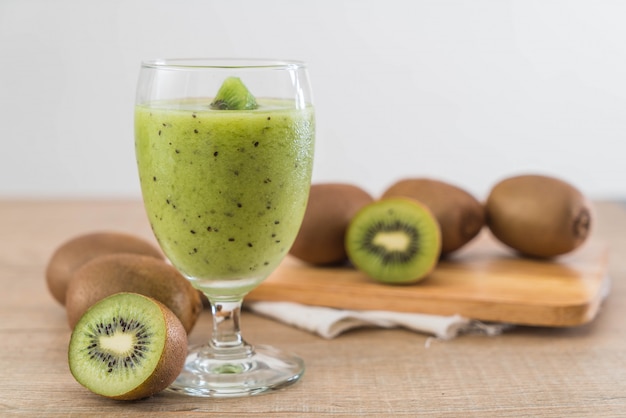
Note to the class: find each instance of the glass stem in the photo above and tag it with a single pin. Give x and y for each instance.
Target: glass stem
(226, 341)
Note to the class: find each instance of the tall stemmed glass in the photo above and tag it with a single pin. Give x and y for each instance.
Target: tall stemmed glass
(225, 151)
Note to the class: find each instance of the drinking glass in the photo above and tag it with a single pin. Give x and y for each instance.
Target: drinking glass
(225, 191)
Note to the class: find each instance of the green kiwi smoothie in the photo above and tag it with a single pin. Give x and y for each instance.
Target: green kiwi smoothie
(225, 190)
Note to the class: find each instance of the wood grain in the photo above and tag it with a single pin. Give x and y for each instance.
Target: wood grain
(528, 371)
(483, 281)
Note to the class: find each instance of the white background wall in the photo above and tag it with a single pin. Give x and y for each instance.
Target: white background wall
(465, 91)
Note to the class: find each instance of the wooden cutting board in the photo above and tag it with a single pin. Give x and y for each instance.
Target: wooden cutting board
(483, 281)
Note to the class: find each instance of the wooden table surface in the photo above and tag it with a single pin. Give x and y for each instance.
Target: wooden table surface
(525, 372)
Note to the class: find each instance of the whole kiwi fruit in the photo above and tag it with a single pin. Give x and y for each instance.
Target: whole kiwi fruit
(127, 347)
(395, 240)
(460, 215)
(330, 209)
(78, 250)
(537, 215)
(113, 273)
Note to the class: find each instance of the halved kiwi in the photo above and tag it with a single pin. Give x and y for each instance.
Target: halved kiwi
(233, 95)
(394, 240)
(127, 347)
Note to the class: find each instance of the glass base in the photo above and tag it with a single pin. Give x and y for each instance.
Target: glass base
(260, 370)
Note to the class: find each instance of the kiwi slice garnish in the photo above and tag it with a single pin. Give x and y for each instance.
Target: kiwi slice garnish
(127, 346)
(233, 95)
(394, 240)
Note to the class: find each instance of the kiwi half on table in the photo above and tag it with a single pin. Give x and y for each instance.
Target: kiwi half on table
(394, 240)
(127, 347)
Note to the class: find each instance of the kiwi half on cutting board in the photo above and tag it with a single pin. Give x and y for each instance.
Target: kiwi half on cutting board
(127, 346)
(395, 240)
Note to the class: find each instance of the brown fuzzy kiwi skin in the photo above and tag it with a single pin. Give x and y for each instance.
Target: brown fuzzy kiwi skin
(114, 273)
(330, 209)
(538, 216)
(78, 250)
(460, 215)
(171, 362)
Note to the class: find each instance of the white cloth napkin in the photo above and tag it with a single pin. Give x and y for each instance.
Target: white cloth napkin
(330, 322)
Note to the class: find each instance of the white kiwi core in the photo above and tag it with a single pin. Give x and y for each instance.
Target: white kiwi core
(393, 240)
(117, 343)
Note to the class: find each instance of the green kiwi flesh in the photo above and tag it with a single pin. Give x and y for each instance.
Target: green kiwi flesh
(394, 240)
(127, 347)
(233, 95)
